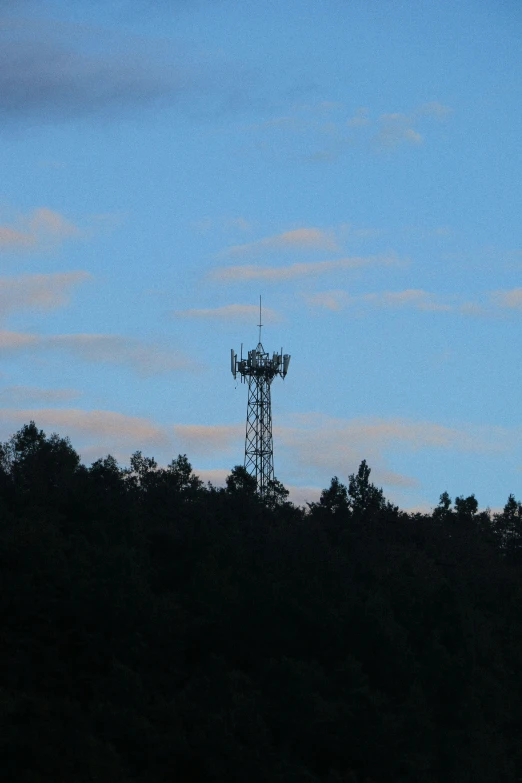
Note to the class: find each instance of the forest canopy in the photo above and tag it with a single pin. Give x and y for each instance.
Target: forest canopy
(154, 628)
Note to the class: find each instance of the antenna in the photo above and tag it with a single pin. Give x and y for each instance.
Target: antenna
(259, 370)
(260, 323)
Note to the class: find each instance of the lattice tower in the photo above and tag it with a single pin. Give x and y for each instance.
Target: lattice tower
(259, 370)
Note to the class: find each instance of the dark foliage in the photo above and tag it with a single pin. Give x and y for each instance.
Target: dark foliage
(155, 629)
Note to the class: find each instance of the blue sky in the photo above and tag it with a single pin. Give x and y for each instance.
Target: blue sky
(355, 162)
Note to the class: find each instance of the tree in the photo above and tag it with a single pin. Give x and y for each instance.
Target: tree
(240, 481)
(508, 528)
(365, 497)
(181, 476)
(277, 494)
(335, 498)
(142, 467)
(107, 473)
(466, 508)
(39, 466)
(443, 510)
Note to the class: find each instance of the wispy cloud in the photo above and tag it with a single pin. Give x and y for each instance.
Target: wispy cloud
(298, 239)
(249, 272)
(30, 395)
(493, 305)
(316, 442)
(328, 300)
(510, 299)
(42, 229)
(476, 310)
(207, 439)
(145, 358)
(230, 313)
(11, 239)
(216, 476)
(42, 292)
(395, 129)
(360, 118)
(17, 341)
(97, 430)
(411, 297)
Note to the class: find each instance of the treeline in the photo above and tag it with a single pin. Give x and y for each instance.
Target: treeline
(154, 629)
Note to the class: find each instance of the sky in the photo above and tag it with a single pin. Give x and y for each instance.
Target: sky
(163, 163)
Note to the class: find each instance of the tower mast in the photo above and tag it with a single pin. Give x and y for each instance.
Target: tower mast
(259, 370)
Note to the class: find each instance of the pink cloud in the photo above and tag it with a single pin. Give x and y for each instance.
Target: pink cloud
(145, 358)
(318, 444)
(16, 395)
(328, 300)
(12, 239)
(299, 270)
(42, 292)
(511, 299)
(298, 239)
(105, 428)
(16, 341)
(40, 230)
(409, 298)
(208, 439)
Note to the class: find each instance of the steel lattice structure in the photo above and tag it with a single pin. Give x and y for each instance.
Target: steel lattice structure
(259, 370)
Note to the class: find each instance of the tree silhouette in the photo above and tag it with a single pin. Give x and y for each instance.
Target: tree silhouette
(155, 629)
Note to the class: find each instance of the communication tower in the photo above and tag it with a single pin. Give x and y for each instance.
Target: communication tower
(259, 370)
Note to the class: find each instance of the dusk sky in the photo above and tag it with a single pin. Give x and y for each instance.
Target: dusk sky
(355, 162)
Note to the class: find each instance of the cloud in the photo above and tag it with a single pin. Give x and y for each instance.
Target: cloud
(51, 223)
(418, 299)
(42, 292)
(413, 298)
(298, 239)
(228, 313)
(10, 239)
(511, 300)
(42, 229)
(396, 129)
(96, 429)
(475, 309)
(318, 443)
(17, 341)
(61, 70)
(207, 439)
(23, 395)
(360, 118)
(240, 222)
(300, 496)
(145, 358)
(304, 134)
(295, 271)
(216, 476)
(329, 300)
